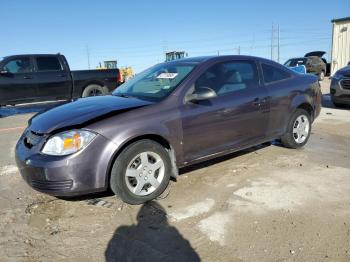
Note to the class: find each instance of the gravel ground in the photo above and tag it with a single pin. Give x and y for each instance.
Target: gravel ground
(267, 203)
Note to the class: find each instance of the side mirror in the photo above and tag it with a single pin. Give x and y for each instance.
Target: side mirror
(201, 93)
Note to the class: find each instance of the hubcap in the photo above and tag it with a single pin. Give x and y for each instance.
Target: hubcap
(95, 92)
(301, 129)
(144, 173)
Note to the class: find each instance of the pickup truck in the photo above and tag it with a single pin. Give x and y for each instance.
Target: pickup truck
(38, 78)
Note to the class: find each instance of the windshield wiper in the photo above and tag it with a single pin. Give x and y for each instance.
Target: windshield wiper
(123, 95)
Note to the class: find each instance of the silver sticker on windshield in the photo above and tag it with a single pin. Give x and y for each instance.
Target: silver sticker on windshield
(167, 75)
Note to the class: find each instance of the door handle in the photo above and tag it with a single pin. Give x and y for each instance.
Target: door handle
(265, 100)
(62, 75)
(259, 102)
(256, 102)
(27, 77)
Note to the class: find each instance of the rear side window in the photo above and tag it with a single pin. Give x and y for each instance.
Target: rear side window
(18, 65)
(48, 64)
(273, 73)
(230, 77)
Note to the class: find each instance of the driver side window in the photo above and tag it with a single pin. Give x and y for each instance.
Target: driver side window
(229, 77)
(18, 65)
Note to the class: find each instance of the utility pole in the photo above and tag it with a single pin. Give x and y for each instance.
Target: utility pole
(218, 52)
(239, 50)
(278, 46)
(272, 36)
(88, 55)
(275, 33)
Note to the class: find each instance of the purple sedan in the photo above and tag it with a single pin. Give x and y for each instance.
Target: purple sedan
(170, 116)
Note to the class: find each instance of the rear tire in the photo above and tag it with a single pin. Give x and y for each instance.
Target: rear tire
(141, 172)
(94, 90)
(298, 130)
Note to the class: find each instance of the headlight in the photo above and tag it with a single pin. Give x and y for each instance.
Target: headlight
(68, 142)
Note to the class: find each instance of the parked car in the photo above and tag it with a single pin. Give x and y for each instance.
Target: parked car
(320, 54)
(170, 116)
(340, 87)
(37, 78)
(314, 65)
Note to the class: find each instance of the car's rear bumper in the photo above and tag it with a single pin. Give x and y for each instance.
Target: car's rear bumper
(77, 174)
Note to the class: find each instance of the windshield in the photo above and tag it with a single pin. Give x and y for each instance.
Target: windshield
(296, 62)
(155, 83)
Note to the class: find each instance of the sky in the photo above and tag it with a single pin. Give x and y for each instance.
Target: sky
(137, 32)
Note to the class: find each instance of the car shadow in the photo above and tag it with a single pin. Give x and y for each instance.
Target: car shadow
(327, 103)
(151, 239)
(184, 170)
(28, 108)
(225, 157)
(89, 196)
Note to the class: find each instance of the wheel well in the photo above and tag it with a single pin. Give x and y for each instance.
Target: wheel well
(91, 83)
(308, 108)
(159, 139)
(156, 138)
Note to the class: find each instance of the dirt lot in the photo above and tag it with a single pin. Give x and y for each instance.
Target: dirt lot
(268, 203)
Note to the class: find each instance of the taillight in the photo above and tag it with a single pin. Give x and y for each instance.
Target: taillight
(119, 77)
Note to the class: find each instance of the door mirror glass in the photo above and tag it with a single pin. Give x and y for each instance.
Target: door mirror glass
(202, 93)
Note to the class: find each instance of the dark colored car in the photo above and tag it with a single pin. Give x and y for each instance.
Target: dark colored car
(172, 115)
(320, 54)
(340, 87)
(37, 78)
(314, 65)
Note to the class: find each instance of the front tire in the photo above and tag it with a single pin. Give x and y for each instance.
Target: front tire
(141, 172)
(298, 130)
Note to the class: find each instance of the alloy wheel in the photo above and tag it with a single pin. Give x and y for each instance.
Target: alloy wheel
(95, 92)
(301, 129)
(144, 173)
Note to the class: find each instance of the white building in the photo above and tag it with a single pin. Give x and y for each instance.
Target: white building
(340, 43)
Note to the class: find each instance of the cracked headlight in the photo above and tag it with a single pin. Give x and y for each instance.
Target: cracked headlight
(67, 142)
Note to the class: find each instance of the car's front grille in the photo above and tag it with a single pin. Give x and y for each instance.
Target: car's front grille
(51, 186)
(345, 83)
(32, 139)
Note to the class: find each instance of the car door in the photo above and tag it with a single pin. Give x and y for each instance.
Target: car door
(54, 81)
(17, 80)
(277, 81)
(236, 118)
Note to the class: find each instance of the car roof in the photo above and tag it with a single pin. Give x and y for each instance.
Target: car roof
(297, 58)
(201, 59)
(4, 57)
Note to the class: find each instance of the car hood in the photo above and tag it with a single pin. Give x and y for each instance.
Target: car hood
(345, 71)
(82, 111)
(315, 53)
